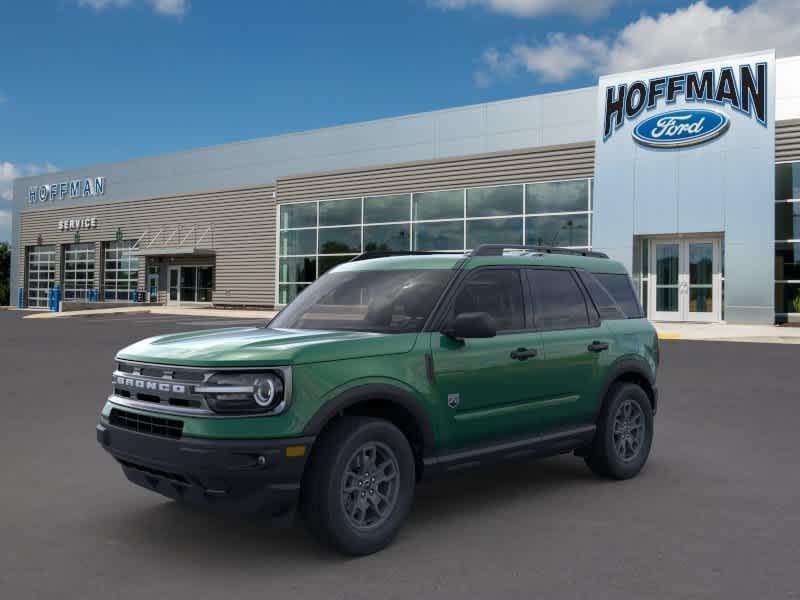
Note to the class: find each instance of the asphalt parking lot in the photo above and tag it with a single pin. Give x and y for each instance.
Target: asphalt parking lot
(716, 513)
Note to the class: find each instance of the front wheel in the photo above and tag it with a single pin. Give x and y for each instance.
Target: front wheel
(360, 485)
(624, 433)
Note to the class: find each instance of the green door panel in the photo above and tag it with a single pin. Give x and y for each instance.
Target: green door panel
(497, 396)
(574, 373)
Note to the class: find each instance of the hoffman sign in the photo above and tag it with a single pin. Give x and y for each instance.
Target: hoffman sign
(76, 188)
(743, 89)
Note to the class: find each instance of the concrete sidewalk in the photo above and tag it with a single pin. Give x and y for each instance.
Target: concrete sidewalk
(159, 310)
(724, 332)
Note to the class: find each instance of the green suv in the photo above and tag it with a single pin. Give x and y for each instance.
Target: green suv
(386, 371)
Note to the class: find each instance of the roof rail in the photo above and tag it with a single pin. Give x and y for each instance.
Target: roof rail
(385, 253)
(498, 249)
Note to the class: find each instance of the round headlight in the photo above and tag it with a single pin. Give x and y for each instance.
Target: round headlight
(264, 393)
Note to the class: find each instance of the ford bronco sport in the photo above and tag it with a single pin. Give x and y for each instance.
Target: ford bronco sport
(385, 371)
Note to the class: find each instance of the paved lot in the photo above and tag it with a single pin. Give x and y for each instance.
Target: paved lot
(716, 514)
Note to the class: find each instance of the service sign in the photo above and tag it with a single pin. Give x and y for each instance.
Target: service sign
(670, 110)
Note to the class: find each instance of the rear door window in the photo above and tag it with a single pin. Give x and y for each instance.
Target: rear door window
(558, 302)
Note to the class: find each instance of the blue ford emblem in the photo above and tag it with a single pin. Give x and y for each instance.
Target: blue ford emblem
(681, 128)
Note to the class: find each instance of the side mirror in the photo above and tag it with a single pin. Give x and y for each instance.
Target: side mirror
(472, 325)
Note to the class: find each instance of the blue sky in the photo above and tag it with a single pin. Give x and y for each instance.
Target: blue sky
(90, 81)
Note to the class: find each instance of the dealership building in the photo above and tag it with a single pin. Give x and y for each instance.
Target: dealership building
(689, 174)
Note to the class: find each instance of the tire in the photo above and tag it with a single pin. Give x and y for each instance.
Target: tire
(344, 502)
(624, 433)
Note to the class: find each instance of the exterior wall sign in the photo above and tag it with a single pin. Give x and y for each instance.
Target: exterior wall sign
(77, 224)
(742, 88)
(67, 190)
(680, 128)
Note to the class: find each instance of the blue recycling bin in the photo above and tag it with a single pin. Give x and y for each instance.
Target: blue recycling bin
(54, 298)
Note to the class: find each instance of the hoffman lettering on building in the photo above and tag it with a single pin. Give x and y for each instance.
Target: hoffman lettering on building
(76, 188)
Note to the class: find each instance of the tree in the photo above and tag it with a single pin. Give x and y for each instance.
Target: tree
(5, 268)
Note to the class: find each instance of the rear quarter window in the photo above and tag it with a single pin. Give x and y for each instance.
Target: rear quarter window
(620, 288)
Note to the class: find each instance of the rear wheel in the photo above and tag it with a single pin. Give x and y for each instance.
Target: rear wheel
(359, 485)
(624, 433)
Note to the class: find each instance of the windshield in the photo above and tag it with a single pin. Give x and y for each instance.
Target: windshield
(391, 301)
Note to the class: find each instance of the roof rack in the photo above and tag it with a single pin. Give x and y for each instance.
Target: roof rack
(498, 249)
(386, 253)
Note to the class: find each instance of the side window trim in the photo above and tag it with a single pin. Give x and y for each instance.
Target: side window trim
(593, 323)
(455, 289)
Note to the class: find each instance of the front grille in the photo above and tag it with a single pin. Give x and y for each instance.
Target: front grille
(171, 428)
(164, 385)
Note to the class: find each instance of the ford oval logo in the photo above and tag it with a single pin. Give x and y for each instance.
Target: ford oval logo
(681, 128)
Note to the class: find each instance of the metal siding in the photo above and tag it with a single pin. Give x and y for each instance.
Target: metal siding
(244, 235)
(787, 141)
(571, 161)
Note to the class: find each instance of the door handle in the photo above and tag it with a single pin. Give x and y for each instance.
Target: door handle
(523, 354)
(597, 346)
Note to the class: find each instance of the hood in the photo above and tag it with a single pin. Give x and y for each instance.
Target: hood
(259, 346)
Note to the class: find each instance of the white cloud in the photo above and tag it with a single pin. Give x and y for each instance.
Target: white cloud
(172, 8)
(531, 8)
(697, 31)
(9, 172)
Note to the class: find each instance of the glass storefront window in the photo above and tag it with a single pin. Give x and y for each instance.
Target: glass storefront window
(298, 269)
(439, 205)
(787, 221)
(557, 196)
(427, 221)
(387, 209)
(787, 181)
(787, 262)
(495, 201)
(340, 240)
(446, 235)
(299, 215)
(340, 212)
(387, 237)
(494, 231)
(300, 242)
(205, 284)
(557, 230)
(787, 297)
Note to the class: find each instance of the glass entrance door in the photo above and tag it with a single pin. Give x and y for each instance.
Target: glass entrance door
(687, 282)
(191, 284)
(666, 305)
(699, 285)
(174, 291)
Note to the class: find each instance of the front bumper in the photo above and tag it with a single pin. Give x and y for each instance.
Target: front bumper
(241, 476)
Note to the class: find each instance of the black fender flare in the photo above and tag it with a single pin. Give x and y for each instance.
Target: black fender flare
(625, 367)
(374, 391)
